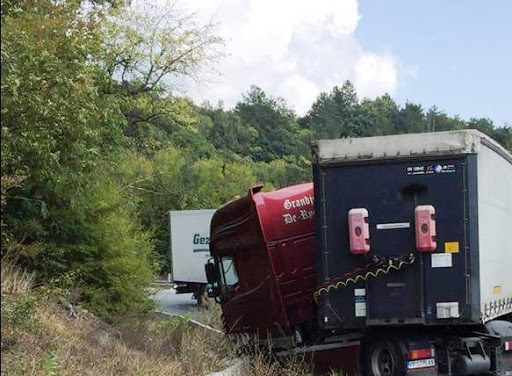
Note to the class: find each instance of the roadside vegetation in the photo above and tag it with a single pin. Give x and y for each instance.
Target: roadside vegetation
(42, 336)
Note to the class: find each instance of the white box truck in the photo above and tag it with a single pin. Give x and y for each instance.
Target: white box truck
(190, 249)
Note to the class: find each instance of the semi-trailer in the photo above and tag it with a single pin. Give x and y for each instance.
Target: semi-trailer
(412, 253)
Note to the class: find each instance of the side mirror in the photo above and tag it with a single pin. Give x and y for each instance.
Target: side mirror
(212, 275)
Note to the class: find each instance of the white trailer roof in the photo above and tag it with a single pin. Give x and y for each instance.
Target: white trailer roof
(405, 145)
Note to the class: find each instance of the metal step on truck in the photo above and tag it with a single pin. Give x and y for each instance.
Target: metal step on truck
(410, 246)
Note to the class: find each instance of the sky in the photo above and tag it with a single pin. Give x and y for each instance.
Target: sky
(454, 54)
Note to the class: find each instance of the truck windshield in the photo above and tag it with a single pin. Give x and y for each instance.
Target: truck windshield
(229, 276)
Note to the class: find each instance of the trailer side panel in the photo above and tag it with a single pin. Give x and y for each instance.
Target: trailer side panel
(495, 233)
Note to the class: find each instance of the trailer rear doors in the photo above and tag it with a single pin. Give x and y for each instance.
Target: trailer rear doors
(434, 286)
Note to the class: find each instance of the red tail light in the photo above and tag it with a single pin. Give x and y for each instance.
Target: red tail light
(508, 345)
(359, 231)
(424, 353)
(425, 220)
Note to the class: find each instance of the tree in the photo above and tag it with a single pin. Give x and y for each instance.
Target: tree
(411, 119)
(438, 121)
(147, 47)
(379, 116)
(67, 110)
(52, 114)
(159, 184)
(335, 114)
(275, 123)
(504, 136)
(484, 125)
(147, 50)
(227, 131)
(501, 134)
(281, 173)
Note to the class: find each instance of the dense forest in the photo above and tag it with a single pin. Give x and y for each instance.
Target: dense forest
(97, 146)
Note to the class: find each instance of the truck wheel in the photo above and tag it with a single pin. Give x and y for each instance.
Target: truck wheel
(383, 357)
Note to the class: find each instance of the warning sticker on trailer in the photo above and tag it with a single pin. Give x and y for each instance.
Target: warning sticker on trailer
(451, 247)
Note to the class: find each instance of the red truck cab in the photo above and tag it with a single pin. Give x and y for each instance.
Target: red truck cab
(263, 248)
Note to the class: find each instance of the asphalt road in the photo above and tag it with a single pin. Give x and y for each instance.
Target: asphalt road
(171, 302)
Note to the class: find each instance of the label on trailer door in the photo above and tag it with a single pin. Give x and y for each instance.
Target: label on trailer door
(360, 302)
(441, 260)
(393, 226)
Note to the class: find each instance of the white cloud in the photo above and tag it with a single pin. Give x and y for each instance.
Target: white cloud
(291, 48)
(375, 74)
(303, 91)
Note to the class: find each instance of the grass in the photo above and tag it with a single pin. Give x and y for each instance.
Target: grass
(14, 281)
(40, 337)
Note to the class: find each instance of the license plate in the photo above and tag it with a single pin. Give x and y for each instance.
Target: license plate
(421, 363)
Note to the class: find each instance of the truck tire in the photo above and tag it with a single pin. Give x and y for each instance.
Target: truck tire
(383, 357)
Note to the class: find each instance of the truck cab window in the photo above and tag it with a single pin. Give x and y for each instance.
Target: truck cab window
(229, 275)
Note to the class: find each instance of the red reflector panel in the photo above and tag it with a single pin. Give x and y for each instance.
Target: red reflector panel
(421, 353)
(359, 231)
(425, 219)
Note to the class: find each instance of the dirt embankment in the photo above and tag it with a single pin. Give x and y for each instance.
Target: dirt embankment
(41, 335)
